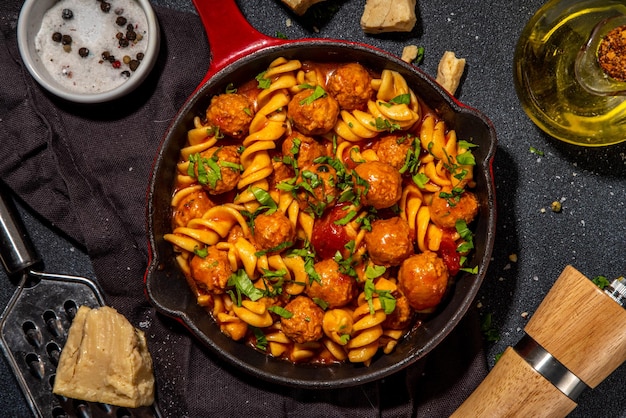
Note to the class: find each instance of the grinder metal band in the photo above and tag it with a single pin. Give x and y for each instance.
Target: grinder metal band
(549, 367)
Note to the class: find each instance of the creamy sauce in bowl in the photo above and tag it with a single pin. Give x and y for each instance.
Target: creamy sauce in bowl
(92, 46)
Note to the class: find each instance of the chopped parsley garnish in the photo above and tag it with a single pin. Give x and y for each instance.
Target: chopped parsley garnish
(534, 150)
(372, 271)
(230, 88)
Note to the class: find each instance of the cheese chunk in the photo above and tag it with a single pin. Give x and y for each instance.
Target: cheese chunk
(106, 360)
(388, 16)
(300, 7)
(450, 71)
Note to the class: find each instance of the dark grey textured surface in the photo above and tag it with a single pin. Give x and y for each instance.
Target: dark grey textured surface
(589, 233)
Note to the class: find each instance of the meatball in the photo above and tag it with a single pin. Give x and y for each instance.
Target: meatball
(392, 149)
(192, 206)
(389, 242)
(212, 272)
(384, 181)
(270, 231)
(231, 113)
(317, 186)
(351, 86)
(334, 288)
(227, 158)
(423, 279)
(304, 148)
(446, 208)
(315, 118)
(305, 324)
(401, 316)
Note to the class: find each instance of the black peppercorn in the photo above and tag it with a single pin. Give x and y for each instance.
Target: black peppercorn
(83, 52)
(125, 73)
(105, 7)
(56, 37)
(105, 55)
(123, 42)
(119, 11)
(131, 36)
(121, 21)
(119, 35)
(66, 40)
(140, 56)
(111, 58)
(67, 14)
(133, 64)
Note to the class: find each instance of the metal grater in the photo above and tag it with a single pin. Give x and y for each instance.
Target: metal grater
(35, 324)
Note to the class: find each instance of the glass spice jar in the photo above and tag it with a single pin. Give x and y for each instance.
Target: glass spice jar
(567, 68)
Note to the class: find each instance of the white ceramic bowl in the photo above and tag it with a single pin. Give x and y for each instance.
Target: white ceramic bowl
(29, 24)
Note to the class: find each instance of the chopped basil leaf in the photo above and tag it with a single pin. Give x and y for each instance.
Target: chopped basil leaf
(466, 145)
(346, 219)
(280, 311)
(200, 252)
(265, 199)
(467, 158)
(321, 303)
(261, 340)
(244, 286)
(401, 99)
(318, 93)
(372, 271)
(264, 83)
(420, 55)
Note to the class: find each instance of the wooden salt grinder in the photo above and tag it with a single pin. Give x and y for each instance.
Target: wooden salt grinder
(575, 339)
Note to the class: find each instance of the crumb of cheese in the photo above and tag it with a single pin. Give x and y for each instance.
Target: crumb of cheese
(106, 360)
(450, 71)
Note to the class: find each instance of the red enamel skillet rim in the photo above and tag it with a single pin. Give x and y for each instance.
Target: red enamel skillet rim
(239, 53)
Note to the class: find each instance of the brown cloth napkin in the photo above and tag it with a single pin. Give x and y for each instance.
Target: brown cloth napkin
(85, 169)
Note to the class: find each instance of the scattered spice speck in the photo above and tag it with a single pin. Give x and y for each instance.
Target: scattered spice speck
(556, 206)
(513, 258)
(524, 315)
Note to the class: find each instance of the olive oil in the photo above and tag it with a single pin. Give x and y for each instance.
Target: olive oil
(546, 79)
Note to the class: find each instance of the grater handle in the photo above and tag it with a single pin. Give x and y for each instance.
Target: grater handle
(16, 248)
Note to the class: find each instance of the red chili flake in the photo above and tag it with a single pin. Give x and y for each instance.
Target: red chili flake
(116, 64)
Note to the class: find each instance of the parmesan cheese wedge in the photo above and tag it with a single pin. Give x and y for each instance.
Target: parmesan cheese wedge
(106, 360)
(388, 16)
(300, 7)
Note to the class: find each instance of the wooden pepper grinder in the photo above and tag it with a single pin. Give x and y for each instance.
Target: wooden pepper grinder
(575, 339)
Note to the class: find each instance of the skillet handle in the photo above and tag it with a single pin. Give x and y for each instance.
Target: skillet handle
(230, 35)
(16, 249)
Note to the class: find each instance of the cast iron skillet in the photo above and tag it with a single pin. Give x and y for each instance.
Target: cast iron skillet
(239, 53)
